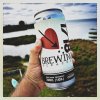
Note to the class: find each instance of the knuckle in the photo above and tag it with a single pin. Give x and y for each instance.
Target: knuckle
(32, 50)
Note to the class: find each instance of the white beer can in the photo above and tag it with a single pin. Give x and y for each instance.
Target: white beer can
(56, 59)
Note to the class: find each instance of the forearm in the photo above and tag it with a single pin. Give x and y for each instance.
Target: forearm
(32, 83)
(26, 89)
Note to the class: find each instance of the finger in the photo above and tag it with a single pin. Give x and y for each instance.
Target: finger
(73, 60)
(34, 53)
(71, 52)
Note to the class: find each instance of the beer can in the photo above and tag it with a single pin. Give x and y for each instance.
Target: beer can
(56, 59)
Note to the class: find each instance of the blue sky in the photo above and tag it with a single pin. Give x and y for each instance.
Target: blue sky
(13, 13)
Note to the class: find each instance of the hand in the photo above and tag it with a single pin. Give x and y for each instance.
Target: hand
(34, 71)
(32, 82)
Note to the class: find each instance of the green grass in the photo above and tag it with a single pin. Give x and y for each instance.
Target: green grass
(85, 54)
(7, 86)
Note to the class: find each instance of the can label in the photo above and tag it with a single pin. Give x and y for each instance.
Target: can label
(56, 59)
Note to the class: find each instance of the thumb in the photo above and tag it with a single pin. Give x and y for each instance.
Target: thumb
(34, 53)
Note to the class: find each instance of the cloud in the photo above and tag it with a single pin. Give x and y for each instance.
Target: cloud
(7, 8)
(80, 11)
(77, 11)
(93, 5)
(32, 3)
(80, 4)
(26, 11)
(72, 4)
(92, 12)
(30, 10)
(64, 4)
(7, 13)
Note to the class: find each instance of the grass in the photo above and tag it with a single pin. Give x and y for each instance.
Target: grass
(85, 54)
(7, 86)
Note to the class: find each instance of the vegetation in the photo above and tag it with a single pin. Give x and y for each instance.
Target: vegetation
(21, 26)
(7, 86)
(20, 40)
(85, 54)
(93, 29)
(11, 63)
(93, 35)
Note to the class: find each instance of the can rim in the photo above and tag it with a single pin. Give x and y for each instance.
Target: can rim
(47, 10)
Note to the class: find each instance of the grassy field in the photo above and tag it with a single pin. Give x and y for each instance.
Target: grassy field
(85, 54)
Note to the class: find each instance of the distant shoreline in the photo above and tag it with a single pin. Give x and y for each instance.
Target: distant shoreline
(23, 26)
(16, 41)
(82, 20)
(15, 28)
(28, 39)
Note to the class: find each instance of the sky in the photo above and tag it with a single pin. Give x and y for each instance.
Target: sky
(13, 13)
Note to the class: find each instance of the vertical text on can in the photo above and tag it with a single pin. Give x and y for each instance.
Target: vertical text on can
(56, 59)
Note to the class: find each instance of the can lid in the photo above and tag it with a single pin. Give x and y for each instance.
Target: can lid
(47, 10)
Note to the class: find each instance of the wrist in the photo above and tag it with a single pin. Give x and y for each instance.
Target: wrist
(31, 82)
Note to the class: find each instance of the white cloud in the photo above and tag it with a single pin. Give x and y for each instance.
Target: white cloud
(26, 12)
(79, 12)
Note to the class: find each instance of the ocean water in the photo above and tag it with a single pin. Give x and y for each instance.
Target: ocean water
(77, 29)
